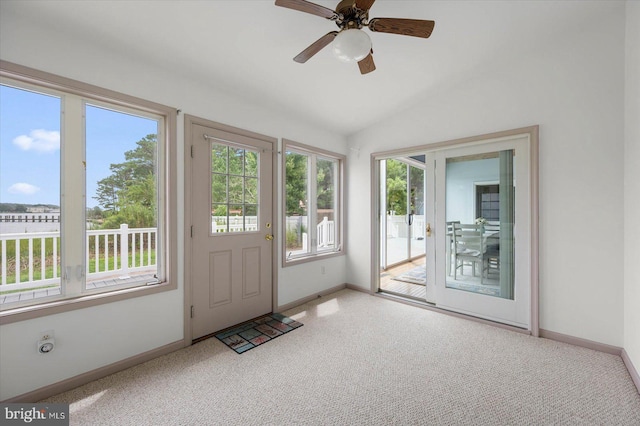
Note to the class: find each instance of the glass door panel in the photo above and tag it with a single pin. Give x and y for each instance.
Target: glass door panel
(483, 230)
(479, 223)
(397, 218)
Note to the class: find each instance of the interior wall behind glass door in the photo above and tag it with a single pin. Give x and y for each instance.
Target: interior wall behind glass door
(480, 248)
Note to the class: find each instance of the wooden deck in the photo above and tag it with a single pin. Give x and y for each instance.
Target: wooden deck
(55, 291)
(389, 284)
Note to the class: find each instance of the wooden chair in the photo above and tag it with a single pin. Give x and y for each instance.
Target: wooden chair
(469, 246)
(450, 246)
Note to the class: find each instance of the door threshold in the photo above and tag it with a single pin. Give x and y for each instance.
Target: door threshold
(423, 304)
(402, 296)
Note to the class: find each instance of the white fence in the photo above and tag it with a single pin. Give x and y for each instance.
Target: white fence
(116, 245)
(235, 223)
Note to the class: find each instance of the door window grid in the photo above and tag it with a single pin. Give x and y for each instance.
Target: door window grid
(234, 189)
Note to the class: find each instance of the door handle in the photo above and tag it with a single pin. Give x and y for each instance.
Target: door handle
(268, 237)
(428, 229)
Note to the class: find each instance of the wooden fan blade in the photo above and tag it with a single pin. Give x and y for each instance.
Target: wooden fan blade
(364, 4)
(367, 65)
(317, 46)
(410, 27)
(308, 7)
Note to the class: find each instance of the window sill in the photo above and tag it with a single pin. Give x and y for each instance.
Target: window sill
(311, 258)
(66, 305)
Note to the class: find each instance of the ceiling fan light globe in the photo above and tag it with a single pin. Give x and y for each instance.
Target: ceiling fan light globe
(351, 45)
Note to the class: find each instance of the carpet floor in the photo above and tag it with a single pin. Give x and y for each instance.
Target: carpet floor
(363, 360)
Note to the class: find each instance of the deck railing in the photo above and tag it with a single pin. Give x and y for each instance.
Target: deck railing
(111, 252)
(326, 233)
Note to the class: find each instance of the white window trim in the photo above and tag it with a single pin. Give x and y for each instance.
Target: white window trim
(167, 165)
(340, 197)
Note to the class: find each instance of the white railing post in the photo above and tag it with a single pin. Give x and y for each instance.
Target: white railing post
(124, 250)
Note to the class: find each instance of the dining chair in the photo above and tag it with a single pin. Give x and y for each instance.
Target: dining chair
(469, 247)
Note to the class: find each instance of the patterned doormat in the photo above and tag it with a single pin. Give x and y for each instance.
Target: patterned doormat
(247, 336)
(416, 275)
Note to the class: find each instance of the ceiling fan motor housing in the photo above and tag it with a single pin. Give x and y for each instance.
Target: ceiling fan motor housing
(350, 16)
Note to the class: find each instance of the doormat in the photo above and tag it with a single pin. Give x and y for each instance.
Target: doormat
(247, 336)
(416, 275)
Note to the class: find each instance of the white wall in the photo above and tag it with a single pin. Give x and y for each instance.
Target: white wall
(573, 88)
(91, 338)
(632, 186)
(460, 186)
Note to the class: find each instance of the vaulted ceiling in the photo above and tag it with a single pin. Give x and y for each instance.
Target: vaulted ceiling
(246, 47)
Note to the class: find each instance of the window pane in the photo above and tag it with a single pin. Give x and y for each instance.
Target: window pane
(297, 222)
(251, 191)
(121, 202)
(29, 194)
(326, 208)
(218, 158)
(236, 189)
(236, 161)
(219, 188)
(250, 163)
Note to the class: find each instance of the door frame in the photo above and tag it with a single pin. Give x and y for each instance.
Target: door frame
(189, 121)
(532, 132)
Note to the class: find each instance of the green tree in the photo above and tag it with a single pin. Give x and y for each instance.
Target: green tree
(397, 186)
(128, 195)
(296, 183)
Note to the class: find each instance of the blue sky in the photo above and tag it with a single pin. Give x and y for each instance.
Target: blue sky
(30, 145)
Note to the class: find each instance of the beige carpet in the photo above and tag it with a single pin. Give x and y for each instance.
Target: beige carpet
(366, 360)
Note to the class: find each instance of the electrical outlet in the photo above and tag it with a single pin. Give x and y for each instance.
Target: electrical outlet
(46, 343)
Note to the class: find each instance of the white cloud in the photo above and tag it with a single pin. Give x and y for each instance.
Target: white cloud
(23, 188)
(39, 140)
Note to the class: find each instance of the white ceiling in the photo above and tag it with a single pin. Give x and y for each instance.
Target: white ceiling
(246, 47)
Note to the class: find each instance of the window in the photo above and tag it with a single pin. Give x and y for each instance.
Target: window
(488, 201)
(313, 199)
(234, 189)
(85, 206)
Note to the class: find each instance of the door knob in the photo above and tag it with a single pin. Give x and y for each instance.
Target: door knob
(268, 237)
(428, 229)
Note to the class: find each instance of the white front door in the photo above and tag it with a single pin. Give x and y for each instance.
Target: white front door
(232, 234)
(488, 276)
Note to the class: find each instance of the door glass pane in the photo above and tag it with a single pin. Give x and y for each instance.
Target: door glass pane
(29, 195)
(122, 201)
(416, 209)
(326, 203)
(297, 220)
(397, 212)
(234, 189)
(480, 250)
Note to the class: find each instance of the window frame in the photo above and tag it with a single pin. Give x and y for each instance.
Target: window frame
(31, 79)
(340, 201)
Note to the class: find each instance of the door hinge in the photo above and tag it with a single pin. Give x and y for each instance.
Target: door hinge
(192, 311)
(191, 231)
(191, 151)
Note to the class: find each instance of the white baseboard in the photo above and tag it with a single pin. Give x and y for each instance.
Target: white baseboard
(309, 298)
(98, 373)
(633, 372)
(577, 341)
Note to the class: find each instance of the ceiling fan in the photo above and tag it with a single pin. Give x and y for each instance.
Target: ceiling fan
(350, 43)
